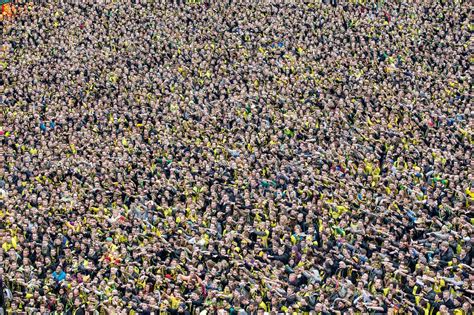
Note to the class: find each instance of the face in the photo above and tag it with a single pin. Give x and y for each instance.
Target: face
(446, 295)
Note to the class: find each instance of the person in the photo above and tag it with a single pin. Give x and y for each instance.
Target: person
(59, 275)
(2, 296)
(229, 157)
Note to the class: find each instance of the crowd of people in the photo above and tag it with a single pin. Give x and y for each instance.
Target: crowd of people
(237, 157)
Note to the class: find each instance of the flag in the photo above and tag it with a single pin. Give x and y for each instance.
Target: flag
(7, 10)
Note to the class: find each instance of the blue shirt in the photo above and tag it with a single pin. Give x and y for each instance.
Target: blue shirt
(59, 276)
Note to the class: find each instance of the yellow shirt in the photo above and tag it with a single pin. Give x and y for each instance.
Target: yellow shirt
(6, 246)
